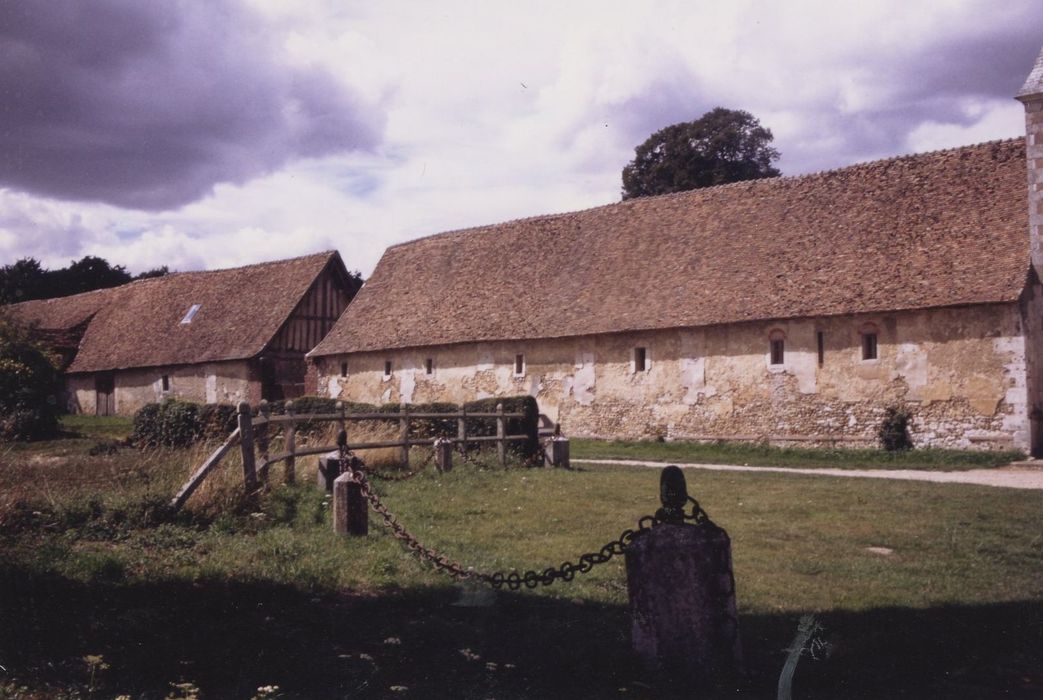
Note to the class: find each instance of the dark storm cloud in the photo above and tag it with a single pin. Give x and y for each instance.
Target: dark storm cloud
(149, 105)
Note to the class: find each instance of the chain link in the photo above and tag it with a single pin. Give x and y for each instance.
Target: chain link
(514, 580)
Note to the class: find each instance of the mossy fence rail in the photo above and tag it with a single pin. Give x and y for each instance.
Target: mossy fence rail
(253, 435)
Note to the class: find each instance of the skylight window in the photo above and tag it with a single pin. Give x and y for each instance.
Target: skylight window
(190, 315)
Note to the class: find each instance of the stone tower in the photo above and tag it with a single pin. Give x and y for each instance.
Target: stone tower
(1031, 95)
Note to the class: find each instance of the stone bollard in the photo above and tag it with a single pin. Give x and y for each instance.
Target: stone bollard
(556, 449)
(329, 470)
(350, 510)
(682, 593)
(444, 455)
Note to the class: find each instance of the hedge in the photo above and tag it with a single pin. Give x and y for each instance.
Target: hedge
(179, 423)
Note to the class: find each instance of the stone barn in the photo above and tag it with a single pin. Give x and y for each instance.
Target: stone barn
(794, 310)
(219, 336)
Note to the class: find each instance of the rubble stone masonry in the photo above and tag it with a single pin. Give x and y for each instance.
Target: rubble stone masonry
(963, 372)
(218, 382)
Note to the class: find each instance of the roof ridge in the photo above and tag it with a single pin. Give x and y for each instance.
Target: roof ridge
(713, 188)
(324, 253)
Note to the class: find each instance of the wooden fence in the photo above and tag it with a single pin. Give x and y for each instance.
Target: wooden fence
(254, 432)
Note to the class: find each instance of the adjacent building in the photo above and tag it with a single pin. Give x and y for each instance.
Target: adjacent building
(791, 310)
(215, 336)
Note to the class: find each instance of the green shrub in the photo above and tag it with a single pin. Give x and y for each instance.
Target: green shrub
(169, 424)
(29, 386)
(894, 430)
(217, 420)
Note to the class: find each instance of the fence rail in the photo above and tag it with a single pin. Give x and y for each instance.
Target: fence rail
(254, 438)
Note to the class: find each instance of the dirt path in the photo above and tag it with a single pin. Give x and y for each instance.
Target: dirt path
(1012, 477)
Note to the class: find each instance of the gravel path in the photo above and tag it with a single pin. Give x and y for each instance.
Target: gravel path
(1012, 477)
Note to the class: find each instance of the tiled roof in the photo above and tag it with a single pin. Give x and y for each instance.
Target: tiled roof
(1034, 83)
(139, 324)
(937, 229)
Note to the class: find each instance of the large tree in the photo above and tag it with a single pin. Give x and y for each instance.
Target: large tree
(723, 145)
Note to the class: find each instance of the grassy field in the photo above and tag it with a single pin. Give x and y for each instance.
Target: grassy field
(103, 592)
(750, 454)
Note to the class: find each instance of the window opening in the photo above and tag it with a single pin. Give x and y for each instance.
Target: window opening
(429, 366)
(166, 382)
(640, 359)
(343, 369)
(821, 338)
(778, 347)
(192, 311)
(519, 365)
(387, 368)
(869, 349)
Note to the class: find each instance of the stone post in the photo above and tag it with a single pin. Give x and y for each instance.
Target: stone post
(350, 510)
(329, 469)
(444, 454)
(682, 593)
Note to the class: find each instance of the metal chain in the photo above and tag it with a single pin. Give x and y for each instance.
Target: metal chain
(514, 580)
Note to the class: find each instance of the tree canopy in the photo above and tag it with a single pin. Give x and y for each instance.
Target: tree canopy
(722, 146)
(29, 386)
(26, 279)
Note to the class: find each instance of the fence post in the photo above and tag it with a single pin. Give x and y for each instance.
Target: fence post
(262, 435)
(403, 435)
(350, 510)
(246, 441)
(291, 444)
(501, 433)
(461, 431)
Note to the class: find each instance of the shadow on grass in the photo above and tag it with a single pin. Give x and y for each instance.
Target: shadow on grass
(229, 639)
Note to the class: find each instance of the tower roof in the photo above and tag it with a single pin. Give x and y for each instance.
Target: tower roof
(1034, 83)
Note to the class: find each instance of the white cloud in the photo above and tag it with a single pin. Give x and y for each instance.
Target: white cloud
(497, 111)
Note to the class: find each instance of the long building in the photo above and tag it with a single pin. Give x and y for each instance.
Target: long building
(790, 310)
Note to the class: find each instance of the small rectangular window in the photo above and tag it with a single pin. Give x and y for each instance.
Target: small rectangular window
(869, 346)
(192, 311)
(519, 365)
(778, 351)
(343, 369)
(640, 359)
(387, 368)
(166, 382)
(429, 366)
(821, 337)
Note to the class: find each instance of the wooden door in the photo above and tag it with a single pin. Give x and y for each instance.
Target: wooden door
(105, 389)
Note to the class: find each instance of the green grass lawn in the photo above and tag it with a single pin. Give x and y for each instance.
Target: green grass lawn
(769, 456)
(265, 594)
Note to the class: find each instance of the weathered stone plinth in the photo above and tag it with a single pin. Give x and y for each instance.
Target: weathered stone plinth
(682, 602)
(350, 510)
(329, 469)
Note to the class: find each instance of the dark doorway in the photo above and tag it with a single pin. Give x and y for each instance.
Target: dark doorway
(105, 389)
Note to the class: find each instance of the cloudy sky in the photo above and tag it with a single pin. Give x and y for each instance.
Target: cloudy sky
(210, 134)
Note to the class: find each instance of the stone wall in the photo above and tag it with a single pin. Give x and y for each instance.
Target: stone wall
(962, 371)
(219, 382)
